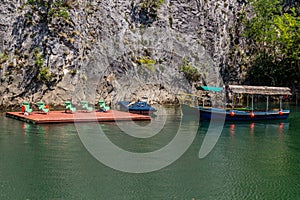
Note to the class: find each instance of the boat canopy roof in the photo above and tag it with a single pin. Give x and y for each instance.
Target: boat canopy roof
(210, 88)
(260, 90)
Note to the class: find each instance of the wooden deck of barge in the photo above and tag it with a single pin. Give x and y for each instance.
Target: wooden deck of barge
(62, 117)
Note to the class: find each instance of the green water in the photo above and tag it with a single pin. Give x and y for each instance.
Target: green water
(250, 161)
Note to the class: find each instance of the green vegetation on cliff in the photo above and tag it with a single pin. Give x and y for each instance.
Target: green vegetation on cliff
(146, 12)
(275, 33)
(190, 72)
(58, 8)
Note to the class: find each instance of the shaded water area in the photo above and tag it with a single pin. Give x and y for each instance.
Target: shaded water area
(258, 160)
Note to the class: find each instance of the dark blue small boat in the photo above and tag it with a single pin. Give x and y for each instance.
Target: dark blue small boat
(244, 113)
(139, 107)
(237, 115)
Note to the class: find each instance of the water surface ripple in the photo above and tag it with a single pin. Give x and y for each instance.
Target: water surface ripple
(258, 160)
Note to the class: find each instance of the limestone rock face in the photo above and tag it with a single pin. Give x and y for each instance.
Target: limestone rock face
(115, 50)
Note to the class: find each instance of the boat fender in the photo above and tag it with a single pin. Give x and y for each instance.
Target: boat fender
(252, 115)
(232, 114)
(280, 112)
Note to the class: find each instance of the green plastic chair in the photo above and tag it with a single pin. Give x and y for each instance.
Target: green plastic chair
(42, 107)
(26, 107)
(102, 106)
(85, 106)
(69, 106)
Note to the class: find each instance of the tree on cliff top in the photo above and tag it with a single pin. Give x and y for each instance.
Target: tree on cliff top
(275, 32)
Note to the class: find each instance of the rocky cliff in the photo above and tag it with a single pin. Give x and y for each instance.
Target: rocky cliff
(54, 51)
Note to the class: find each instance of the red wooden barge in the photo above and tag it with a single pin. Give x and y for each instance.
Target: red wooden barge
(67, 117)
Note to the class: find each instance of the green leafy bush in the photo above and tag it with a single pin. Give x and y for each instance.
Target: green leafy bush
(3, 58)
(39, 60)
(56, 8)
(190, 72)
(44, 74)
(146, 61)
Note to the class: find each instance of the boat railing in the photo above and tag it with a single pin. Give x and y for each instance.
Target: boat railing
(203, 99)
(188, 99)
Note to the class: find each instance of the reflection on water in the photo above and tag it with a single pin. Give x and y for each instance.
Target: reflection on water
(29, 129)
(35, 129)
(257, 160)
(269, 127)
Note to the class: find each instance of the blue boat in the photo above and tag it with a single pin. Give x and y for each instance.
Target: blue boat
(233, 113)
(139, 107)
(239, 115)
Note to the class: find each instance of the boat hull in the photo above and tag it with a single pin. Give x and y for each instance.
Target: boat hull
(237, 115)
(138, 107)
